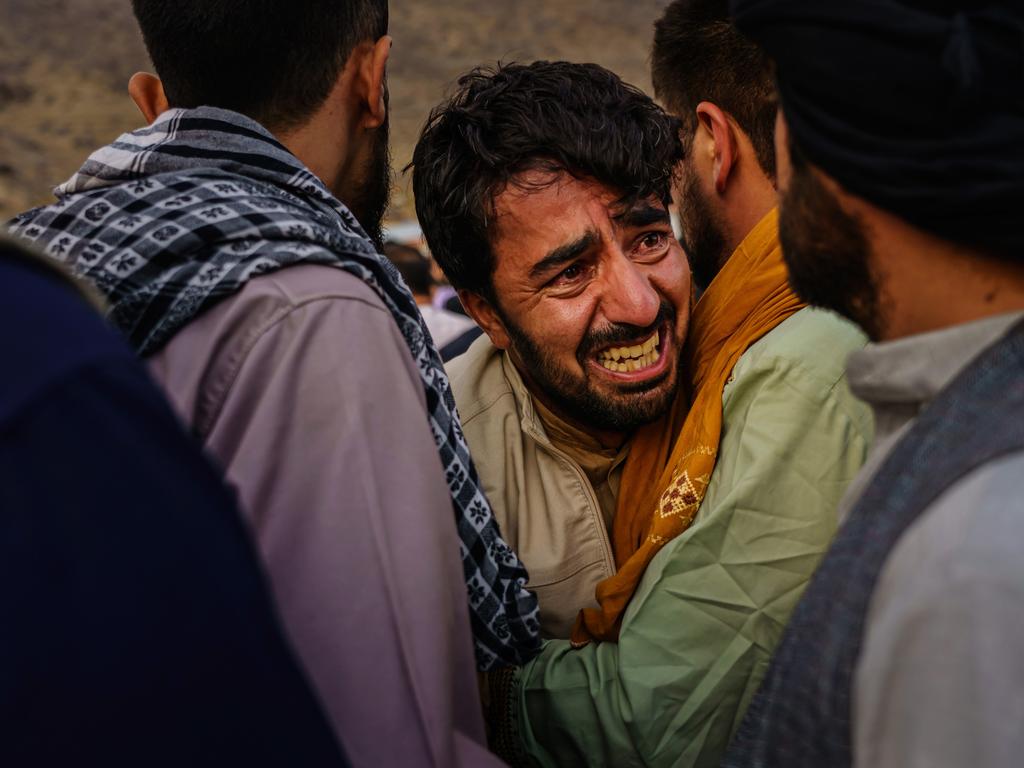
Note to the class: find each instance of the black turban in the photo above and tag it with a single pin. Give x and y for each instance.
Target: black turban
(917, 107)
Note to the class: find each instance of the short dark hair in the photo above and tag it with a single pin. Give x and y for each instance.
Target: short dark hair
(699, 55)
(272, 60)
(412, 265)
(551, 116)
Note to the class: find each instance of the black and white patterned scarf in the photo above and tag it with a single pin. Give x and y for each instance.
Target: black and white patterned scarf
(172, 218)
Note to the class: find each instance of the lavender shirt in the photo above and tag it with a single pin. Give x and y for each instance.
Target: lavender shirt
(305, 393)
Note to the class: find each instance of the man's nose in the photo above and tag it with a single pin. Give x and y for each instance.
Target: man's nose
(629, 296)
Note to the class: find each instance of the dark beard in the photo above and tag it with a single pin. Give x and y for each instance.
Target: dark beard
(371, 202)
(702, 237)
(826, 250)
(575, 397)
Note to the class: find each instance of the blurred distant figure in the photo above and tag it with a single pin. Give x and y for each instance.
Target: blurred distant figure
(219, 236)
(452, 332)
(445, 296)
(137, 627)
(901, 164)
(452, 303)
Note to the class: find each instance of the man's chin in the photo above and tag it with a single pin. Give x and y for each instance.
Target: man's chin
(633, 405)
(656, 383)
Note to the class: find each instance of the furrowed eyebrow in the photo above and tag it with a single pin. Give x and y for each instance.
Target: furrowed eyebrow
(563, 254)
(643, 216)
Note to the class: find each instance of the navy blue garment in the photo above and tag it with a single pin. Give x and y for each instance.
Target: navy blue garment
(136, 625)
(460, 344)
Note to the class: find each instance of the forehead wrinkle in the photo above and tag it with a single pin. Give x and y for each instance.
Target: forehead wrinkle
(504, 223)
(506, 205)
(514, 217)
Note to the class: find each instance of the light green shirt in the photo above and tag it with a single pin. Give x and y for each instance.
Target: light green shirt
(698, 634)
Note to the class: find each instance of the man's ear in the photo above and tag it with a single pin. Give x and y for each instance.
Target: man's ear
(148, 94)
(723, 143)
(373, 74)
(484, 314)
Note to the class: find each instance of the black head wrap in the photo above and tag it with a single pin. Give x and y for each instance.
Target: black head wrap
(917, 107)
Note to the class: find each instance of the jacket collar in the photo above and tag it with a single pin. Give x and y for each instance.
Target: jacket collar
(529, 419)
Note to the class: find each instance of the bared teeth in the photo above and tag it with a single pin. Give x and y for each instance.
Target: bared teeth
(637, 353)
(623, 359)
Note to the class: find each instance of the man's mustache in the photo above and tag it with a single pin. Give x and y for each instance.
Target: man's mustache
(620, 333)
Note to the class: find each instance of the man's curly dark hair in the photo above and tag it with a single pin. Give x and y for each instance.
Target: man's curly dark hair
(506, 120)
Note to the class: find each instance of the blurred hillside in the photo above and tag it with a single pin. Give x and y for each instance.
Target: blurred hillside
(65, 64)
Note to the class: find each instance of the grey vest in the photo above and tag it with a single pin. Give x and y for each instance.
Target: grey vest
(801, 714)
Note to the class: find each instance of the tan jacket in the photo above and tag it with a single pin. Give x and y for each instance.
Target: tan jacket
(542, 499)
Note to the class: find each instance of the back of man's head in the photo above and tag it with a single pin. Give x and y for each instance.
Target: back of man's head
(272, 60)
(914, 106)
(558, 116)
(699, 56)
(412, 265)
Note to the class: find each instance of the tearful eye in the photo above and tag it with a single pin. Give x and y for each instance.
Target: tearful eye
(572, 272)
(571, 276)
(651, 246)
(653, 240)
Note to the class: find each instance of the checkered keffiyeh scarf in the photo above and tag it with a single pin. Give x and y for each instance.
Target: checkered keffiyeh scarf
(172, 218)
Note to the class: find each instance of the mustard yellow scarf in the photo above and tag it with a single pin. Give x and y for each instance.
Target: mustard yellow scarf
(670, 461)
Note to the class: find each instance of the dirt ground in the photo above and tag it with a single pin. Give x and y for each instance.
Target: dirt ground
(65, 64)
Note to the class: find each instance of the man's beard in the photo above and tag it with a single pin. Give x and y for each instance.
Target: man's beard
(574, 395)
(827, 250)
(702, 238)
(371, 201)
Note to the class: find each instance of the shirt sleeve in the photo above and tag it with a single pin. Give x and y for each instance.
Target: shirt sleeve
(326, 435)
(697, 636)
(940, 678)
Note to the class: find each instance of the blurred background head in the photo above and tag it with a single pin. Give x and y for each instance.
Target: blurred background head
(415, 268)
